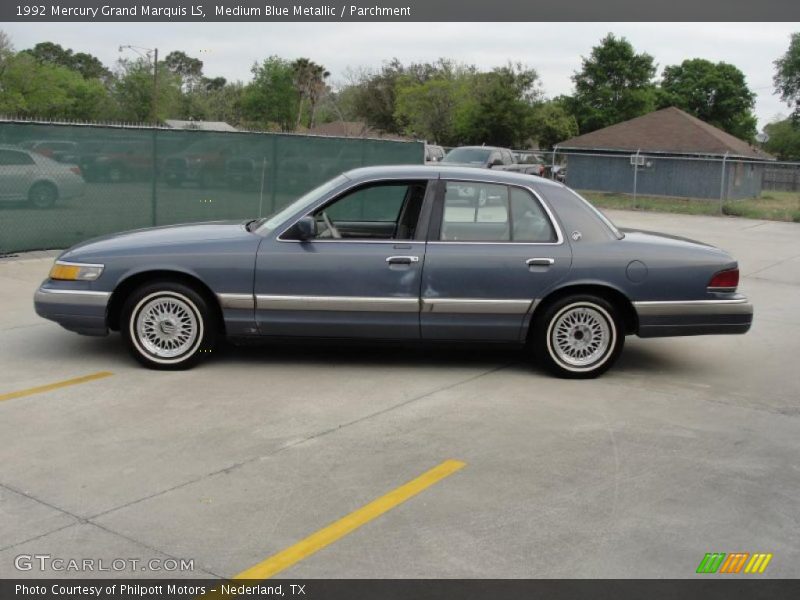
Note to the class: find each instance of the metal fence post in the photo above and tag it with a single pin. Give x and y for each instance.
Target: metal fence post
(635, 175)
(153, 190)
(553, 163)
(722, 183)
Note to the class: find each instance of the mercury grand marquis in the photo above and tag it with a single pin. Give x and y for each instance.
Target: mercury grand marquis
(401, 253)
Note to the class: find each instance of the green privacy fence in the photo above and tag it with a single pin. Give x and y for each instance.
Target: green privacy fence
(60, 184)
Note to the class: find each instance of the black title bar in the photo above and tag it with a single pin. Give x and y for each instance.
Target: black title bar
(399, 10)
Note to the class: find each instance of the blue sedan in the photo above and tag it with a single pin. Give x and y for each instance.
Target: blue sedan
(401, 253)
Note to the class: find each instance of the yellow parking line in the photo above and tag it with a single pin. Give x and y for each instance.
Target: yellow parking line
(54, 386)
(338, 529)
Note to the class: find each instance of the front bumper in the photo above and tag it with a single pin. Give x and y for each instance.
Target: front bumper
(78, 310)
(694, 317)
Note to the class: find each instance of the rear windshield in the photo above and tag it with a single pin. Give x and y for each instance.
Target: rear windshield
(463, 156)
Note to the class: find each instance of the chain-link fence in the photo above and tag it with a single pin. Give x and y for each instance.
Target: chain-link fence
(712, 178)
(60, 184)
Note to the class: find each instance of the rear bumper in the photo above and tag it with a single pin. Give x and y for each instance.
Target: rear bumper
(81, 311)
(694, 317)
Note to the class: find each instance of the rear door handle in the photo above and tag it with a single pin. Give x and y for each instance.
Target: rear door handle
(402, 260)
(539, 262)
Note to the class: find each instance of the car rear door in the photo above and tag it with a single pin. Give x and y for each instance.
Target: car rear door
(493, 251)
(365, 284)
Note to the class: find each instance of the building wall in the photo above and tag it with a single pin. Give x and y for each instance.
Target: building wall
(664, 176)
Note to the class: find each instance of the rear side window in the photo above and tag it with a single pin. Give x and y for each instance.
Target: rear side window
(482, 212)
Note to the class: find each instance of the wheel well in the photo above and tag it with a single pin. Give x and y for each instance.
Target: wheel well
(127, 286)
(615, 297)
(44, 182)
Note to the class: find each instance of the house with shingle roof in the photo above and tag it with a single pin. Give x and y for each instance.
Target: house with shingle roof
(672, 154)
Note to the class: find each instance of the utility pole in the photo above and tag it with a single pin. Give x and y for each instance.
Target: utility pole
(155, 86)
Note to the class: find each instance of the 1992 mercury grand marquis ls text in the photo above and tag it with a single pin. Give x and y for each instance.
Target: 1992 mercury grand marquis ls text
(402, 253)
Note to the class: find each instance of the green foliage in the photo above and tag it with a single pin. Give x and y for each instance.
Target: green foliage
(716, 93)
(614, 84)
(552, 123)
(271, 100)
(309, 81)
(787, 75)
(34, 89)
(134, 90)
(374, 96)
(784, 139)
(428, 98)
(501, 109)
(90, 67)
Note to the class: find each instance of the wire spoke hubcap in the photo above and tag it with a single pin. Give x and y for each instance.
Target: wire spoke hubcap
(580, 336)
(167, 327)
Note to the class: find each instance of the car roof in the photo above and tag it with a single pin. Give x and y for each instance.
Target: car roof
(437, 171)
(479, 148)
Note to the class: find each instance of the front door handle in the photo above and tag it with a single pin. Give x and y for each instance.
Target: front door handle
(539, 262)
(402, 260)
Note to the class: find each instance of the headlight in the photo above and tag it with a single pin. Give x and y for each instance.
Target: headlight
(75, 271)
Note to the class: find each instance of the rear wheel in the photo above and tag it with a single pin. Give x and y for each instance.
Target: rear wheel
(168, 326)
(43, 194)
(578, 336)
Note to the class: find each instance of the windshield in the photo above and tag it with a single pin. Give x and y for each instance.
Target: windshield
(462, 156)
(301, 203)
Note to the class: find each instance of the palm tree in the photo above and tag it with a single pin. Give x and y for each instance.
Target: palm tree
(309, 79)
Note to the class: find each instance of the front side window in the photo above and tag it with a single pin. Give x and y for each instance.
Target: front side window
(484, 212)
(388, 211)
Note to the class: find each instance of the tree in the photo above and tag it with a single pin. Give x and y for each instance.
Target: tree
(428, 97)
(6, 48)
(784, 139)
(309, 79)
(716, 93)
(501, 108)
(190, 70)
(271, 100)
(90, 67)
(787, 76)
(375, 96)
(32, 89)
(552, 123)
(614, 84)
(134, 91)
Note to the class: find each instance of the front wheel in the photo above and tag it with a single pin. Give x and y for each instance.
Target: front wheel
(168, 326)
(578, 337)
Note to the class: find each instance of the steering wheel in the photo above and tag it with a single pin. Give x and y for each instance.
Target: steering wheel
(331, 227)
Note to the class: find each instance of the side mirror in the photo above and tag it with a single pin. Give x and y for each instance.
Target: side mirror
(496, 162)
(306, 228)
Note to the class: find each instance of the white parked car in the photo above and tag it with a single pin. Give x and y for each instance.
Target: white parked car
(28, 176)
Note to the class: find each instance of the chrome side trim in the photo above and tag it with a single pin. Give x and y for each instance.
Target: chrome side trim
(77, 264)
(736, 306)
(337, 303)
(85, 297)
(476, 306)
(237, 301)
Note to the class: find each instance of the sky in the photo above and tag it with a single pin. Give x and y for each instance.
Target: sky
(553, 49)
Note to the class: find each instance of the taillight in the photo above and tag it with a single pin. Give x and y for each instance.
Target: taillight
(724, 281)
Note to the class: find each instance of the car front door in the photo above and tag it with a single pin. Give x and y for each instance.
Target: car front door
(493, 251)
(358, 277)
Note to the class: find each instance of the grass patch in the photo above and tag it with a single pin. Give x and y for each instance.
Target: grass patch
(771, 206)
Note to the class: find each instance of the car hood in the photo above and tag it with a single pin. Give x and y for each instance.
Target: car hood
(158, 236)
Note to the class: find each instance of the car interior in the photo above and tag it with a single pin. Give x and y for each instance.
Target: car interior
(380, 211)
